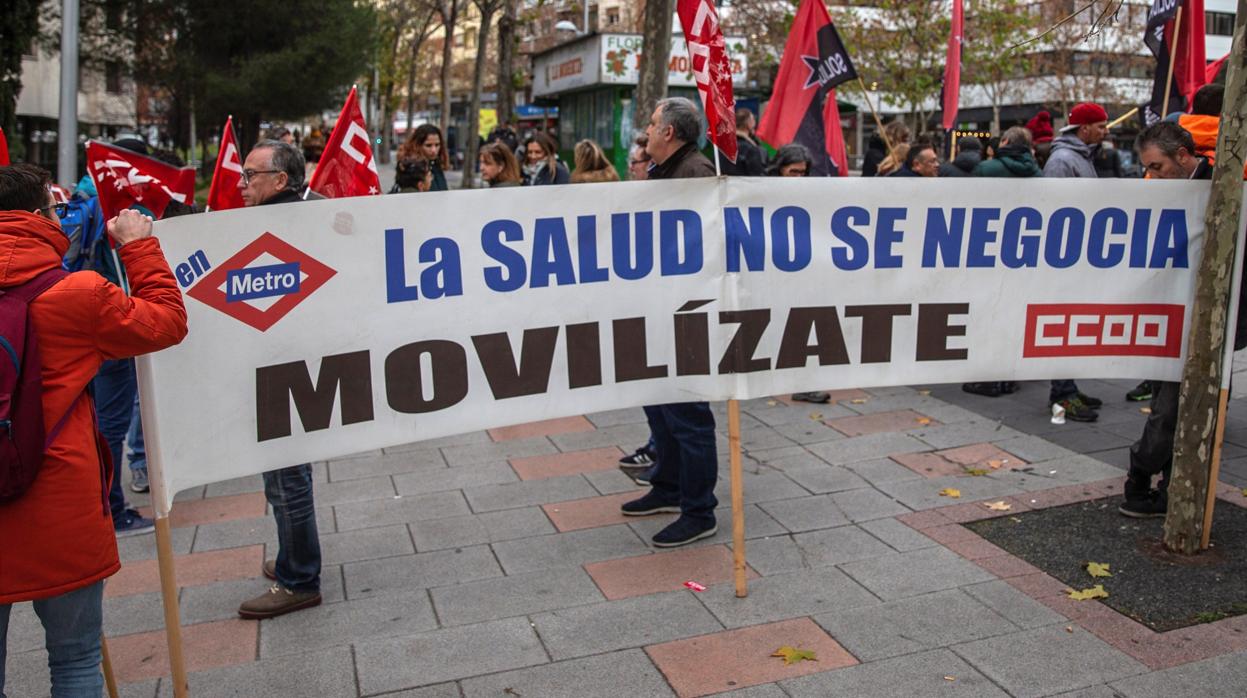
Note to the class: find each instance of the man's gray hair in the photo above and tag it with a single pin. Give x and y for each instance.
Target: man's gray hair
(1017, 135)
(1168, 137)
(288, 159)
(682, 116)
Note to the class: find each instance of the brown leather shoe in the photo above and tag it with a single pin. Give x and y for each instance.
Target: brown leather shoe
(269, 568)
(277, 601)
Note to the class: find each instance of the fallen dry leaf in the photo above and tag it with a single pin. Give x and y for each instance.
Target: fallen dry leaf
(977, 472)
(950, 492)
(1095, 592)
(995, 464)
(816, 416)
(924, 392)
(1145, 410)
(924, 420)
(771, 403)
(792, 654)
(998, 506)
(1098, 569)
(950, 678)
(859, 401)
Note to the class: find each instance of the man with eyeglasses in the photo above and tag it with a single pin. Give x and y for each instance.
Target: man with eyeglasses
(273, 174)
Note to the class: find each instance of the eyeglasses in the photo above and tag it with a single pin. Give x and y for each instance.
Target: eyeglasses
(248, 174)
(60, 209)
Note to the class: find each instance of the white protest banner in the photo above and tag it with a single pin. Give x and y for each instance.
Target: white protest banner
(326, 328)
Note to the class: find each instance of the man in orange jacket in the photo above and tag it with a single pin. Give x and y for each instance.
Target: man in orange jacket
(58, 543)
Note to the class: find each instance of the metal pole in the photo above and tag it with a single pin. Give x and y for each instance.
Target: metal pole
(67, 138)
(585, 24)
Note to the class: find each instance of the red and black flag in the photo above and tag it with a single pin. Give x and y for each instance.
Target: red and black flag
(1189, 58)
(803, 104)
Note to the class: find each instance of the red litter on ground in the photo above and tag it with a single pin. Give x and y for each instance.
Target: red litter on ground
(694, 586)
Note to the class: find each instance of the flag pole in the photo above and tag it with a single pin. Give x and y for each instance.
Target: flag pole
(106, 661)
(878, 122)
(1173, 57)
(1117, 122)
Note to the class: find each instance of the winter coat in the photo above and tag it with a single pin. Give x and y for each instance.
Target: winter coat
(545, 176)
(876, 151)
(439, 177)
(748, 160)
(1070, 157)
(1010, 161)
(59, 535)
(685, 163)
(963, 165)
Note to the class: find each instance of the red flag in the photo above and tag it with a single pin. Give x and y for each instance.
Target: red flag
(1191, 60)
(952, 67)
(124, 178)
(346, 167)
(814, 63)
(224, 193)
(712, 70)
(1189, 69)
(1210, 73)
(4, 149)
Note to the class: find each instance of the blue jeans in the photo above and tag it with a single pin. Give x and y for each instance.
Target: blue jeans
(1062, 390)
(688, 465)
(138, 451)
(115, 389)
(72, 624)
(289, 492)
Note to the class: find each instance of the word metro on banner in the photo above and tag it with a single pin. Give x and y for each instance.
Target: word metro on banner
(339, 326)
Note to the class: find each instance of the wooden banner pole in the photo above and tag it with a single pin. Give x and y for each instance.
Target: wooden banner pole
(1214, 472)
(1117, 122)
(878, 122)
(169, 594)
(110, 680)
(738, 497)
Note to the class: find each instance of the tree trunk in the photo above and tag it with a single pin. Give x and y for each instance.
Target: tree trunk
(449, 11)
(652, 84)
(1199, 406)
(387, 98)
(996, 117)
(417, 43)
(470, 144)
(506, 61)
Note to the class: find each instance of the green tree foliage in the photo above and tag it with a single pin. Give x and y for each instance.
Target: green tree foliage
(19, 24)
(989, 59)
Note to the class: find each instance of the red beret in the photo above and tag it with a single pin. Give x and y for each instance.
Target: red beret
(1087, 113)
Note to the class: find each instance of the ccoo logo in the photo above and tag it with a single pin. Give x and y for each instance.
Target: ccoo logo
(262, 283)
(1103, 329)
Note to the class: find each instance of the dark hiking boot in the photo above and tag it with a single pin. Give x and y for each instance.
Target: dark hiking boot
(1078, 411)
(1141, 393)
(984, 389)
(817, 397)
(1152, 506)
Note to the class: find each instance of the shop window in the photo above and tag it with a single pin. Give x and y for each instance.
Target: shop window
(112, 77)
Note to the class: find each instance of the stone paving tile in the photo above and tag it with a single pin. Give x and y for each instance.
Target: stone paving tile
(837, 545)
(810, 431)
(880, 422)
(628, 437)
(806, 513)
(220, 601)
(766, 690)
(1070, 660)
(709, 664)
(546, 427)
(476, 529)
(516, 595)
(145, 656)
(775, 555)
(527, 493)
(476, 453)
(348, 491)
(925, 493)
(664, 571)
(864, 505)
(385, 464)
(897, 535)
(1219, 677)
(233, 534)
(195, 569)
(445, 479)
(593, 512)
(613, 482)
(914, 573)
(331, 625)
(965, 433)
(214, 509)
(626, 674)
(786, 458)
(1101, 691)
(913, 675)
(466, 439)
(793, 414)
(859, 448)
(1033, 449)
(144, 547)
(615, 625)
(571, 463)
(123, 615)
(568, 549)
(400, 509)
(27, 675)
(322, 674)
(785, 596)
(913, 625)
(763, 486)
(880, 470)
(434, 569)
(442, 690)
(366, 544)
(823, 478)
(613, 418)
(758, 524)
(434, 657)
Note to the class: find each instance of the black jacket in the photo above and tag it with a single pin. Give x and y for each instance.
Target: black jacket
(876, 151)
(748, 160)
(963, 165)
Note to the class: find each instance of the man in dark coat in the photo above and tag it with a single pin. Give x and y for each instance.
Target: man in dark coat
(748, 153)
(683, 432)
(969, 155)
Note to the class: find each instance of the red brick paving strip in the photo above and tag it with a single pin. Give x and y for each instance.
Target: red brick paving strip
(736, 659)
(653, 574)
(145, 656)
(897, 420)
(193, 570)
(571, 463)
(955, 461)
(195, 512)
(593, 512)
(548, 427)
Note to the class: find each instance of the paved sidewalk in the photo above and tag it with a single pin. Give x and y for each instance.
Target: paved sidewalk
(497, 564)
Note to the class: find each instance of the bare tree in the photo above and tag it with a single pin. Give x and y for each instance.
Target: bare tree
(506, 60)
(652, 83)
(421, 27)
(487, 8)
(448, 10)
(992, 27)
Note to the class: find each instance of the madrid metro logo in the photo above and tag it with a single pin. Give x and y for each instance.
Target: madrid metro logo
(262, 283)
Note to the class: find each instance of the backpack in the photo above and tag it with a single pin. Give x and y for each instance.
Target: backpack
(22, 439)
(83, 224)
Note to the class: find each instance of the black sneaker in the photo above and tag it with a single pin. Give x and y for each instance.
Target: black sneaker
(1010, 387)
(1093, 402)
(651, 503)
(817, 397)
(1078, 411)
(683, 531)
(1151, 507)
(985, 389)
(638, 473)
(1142, 392)
(641, 456)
